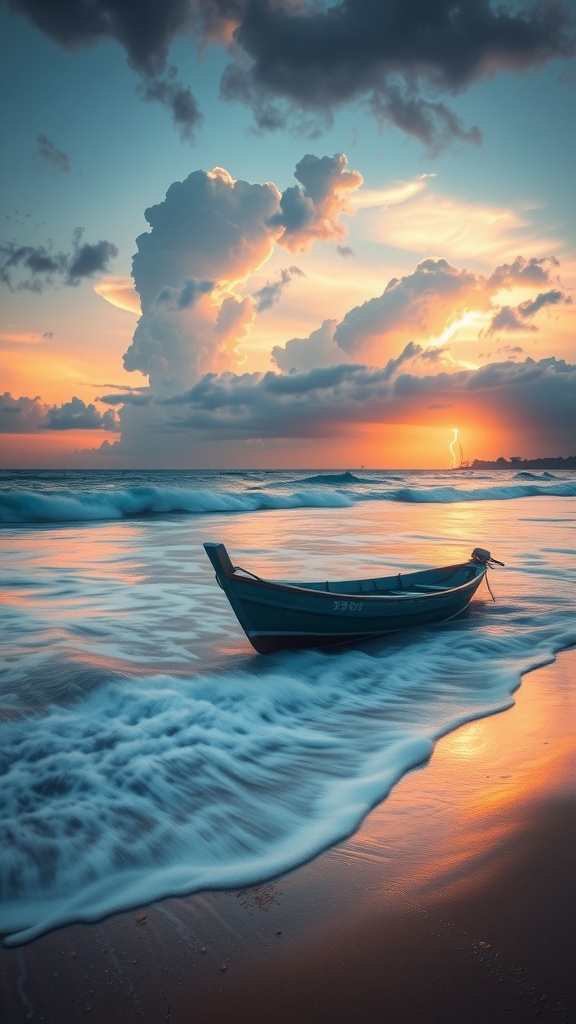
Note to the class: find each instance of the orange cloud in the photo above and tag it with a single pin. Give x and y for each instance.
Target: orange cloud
(429, 222)
(396, 194)
(119, 291)
(10, 338)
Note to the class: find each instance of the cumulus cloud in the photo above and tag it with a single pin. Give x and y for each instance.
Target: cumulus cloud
(310, 213)
(209, 235)
(303, 354)
(424, 305)
(32, 268)
(174, 347)
(21, 415)
(385, 361)
(29, 415)
(418, 304)
(521, 271)
(209, 227)
(212, 232)
(51, 155)
(292, 59)
(76, 415)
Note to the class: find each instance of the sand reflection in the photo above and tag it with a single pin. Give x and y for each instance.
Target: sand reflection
(457, 820)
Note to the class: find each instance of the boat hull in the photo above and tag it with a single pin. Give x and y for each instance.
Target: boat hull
(277, 616)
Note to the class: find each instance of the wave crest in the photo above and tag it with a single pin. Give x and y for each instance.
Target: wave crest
(22, 507)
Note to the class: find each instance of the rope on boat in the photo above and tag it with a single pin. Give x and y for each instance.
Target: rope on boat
(485, 558)
(252, 575)
(491, 563)
(238, 568)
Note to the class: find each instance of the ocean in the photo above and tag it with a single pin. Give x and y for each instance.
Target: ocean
(147, 751)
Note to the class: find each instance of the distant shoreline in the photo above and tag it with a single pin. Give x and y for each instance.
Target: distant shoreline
(519, 464)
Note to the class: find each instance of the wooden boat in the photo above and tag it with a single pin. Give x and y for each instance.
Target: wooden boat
(278, 615)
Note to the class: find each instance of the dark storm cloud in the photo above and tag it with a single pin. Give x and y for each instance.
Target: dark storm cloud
(32, 268)
(144, 28)
(21, 415)
(29, 415)
(88, 260)
(269, 295)
(433, 123)
(48, 152)
(39, 264)
(536, 396)
(167, 90)
(398, 56)
(76, 415)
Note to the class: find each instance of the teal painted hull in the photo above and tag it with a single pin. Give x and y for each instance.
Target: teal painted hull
(278, 616)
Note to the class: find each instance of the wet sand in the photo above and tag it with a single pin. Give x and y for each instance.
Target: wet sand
(455, 903)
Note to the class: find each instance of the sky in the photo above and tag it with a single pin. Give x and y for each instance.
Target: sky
(286, 233)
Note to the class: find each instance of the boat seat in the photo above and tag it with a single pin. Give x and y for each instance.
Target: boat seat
(430, 586)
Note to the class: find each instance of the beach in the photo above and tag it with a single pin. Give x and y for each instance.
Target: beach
(455, 902)
(191, 831)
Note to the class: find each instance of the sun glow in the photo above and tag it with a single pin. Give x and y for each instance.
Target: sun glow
(120, 292)
(467, 327)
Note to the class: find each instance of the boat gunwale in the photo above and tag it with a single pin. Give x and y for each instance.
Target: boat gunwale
(364, 595)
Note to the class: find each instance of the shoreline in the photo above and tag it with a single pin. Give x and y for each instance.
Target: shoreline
(454, 902)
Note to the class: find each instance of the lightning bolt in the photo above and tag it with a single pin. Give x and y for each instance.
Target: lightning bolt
(452, 443)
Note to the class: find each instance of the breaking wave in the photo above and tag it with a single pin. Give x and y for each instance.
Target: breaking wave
(93, 506)
(20, 507)
(335, 478)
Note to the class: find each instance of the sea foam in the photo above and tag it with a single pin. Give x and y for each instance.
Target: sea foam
(21, 507)
(165, 786)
